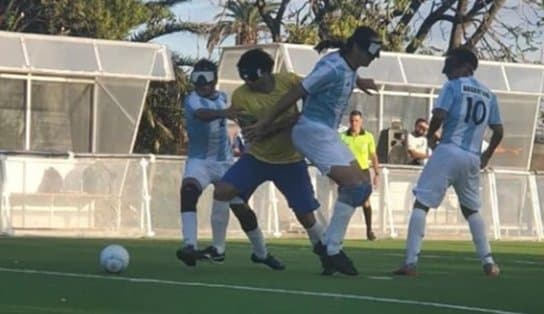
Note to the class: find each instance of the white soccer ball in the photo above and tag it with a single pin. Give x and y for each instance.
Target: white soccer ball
(114, 258)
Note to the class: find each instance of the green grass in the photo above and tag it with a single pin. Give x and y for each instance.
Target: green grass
(449, 274)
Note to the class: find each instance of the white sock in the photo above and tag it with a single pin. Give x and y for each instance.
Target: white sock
(256, 238)
(479, 237)
(315, 233)
(416, 232)
(336, 231)
(219, 221)
(188, 228)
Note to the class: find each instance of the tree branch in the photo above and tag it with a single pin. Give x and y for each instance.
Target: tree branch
(427, 24)
(486, 23)
(273, 24)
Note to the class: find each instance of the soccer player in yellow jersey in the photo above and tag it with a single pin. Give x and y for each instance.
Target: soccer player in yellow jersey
(362, 145)
(272, 157)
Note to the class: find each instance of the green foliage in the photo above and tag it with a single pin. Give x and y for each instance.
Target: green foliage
(240, 18)
(302, 34)
(162, 128)
(111, 19)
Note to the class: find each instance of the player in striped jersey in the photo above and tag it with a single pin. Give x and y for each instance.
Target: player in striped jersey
(464, 109)
(208, 159)
(326, 92)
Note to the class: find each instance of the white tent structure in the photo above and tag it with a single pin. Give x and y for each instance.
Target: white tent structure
(75, 94)
(83, 96)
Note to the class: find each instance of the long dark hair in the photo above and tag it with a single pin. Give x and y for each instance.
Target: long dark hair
(331, 43)
(362, 36)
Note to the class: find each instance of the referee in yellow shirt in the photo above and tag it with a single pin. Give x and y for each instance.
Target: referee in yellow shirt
(362, 145)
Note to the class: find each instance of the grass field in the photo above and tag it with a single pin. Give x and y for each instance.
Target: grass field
(43, 275)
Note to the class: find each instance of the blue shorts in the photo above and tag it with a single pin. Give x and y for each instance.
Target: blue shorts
(291, 179)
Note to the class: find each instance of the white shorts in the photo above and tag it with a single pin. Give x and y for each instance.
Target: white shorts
(321, 145)
(448, 166)
(205, 171)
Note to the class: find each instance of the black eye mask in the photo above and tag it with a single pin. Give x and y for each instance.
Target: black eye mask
(249, 74)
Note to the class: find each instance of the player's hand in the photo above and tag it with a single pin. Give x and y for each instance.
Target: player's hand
(484, 160)
(375, 181)
(232, 112)
(367, 85)
(254, 132)
(432, 141)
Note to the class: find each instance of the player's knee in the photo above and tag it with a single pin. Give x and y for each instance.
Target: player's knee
(354, 195)
(189, 194)
(418, 204)
(245, 215)
(467, 212)
(224, 191)
(306, 220)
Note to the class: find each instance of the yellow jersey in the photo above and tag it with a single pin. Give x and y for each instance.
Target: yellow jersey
(362, 146)
(278, 148)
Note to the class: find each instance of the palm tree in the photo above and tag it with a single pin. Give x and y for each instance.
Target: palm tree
(240, 18)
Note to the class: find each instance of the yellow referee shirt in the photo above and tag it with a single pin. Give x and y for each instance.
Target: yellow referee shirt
(362, 145)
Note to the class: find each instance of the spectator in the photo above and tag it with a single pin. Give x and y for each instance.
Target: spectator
(417, 143)
(362, 145)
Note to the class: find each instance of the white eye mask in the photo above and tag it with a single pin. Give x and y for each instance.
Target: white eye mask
(202, 77)
(374, 48)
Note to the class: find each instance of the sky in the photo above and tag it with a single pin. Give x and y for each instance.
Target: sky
(206, 10)
(198, 11)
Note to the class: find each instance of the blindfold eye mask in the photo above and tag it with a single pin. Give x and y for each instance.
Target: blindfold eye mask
(203, 77)
(374, 48)
(249, 74)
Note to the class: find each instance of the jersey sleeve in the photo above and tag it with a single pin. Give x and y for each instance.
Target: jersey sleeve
(192, 104)
(446, 97)
(494, 113)
(322, 76)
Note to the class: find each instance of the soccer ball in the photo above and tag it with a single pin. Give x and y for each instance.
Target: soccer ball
(114, 258)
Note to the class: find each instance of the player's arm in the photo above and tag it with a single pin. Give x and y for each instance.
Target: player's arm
(439, 115)
(283, 124)
(496, 138)
(367, 85)
(322, 77)
(208, 115)
(414, 154)
(286, 101)
(495, 124)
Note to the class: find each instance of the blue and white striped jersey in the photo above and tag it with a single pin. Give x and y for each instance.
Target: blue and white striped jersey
(207, 140)
(471, 107)
(329, 87)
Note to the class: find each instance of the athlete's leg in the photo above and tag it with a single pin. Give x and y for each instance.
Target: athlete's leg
(429, 192)
(467, 188)
(241, 180)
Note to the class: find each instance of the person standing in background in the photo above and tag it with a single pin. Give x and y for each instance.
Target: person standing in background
(362, 145)
(417, 143)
